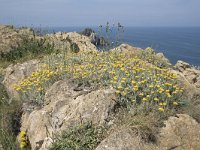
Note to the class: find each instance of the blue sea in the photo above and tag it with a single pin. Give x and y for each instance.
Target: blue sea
(177, 43)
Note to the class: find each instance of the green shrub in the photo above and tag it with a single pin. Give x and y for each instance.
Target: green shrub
(83, 137)
(28, 47)
(150, 56)
(9, 125)
(138, 84)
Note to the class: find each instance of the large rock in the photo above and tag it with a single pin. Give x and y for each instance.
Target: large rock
(161, 57)
(127, 49)
(180, 133)
(64, 108)
(190, 76)
(181, 65)
(71, 39)
(10, 37)
(125, 139)
(16, 73)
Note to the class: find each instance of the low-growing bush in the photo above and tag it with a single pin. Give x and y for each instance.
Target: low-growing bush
(82, 137)
(150, 56)
(10, 115)
(139, 85)
(9, 125)
(28, 47)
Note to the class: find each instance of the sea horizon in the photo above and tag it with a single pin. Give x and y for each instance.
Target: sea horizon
(176, 43)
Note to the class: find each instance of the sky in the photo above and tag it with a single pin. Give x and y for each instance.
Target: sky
(95, 12)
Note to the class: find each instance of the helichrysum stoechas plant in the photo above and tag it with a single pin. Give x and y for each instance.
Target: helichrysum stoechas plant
(150, 56)
(138, 83)
(33, 87)
(23, 140)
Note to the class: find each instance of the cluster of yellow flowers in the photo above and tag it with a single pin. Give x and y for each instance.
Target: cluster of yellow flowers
(150, 56)
(36, 81)
(23, 140)
(136, 81)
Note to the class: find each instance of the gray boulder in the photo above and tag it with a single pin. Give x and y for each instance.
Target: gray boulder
(66, 108)
(15, 73)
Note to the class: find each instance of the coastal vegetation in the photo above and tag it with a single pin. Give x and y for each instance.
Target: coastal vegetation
(138, 84)
(30, 47)
(82, 137)
(141, 88)
(147, 91)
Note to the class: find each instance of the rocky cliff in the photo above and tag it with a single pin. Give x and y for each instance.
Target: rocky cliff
(69, 102)
(11, 37)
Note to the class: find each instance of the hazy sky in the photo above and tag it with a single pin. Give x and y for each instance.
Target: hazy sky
(96, 12)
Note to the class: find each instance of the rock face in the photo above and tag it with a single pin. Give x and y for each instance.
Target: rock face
(10, 37)
(162, 57)
(181, 133)
(65, 108)
(15, 73)
(126, 48)
(190, 73)
(67, 40)
(125, 139)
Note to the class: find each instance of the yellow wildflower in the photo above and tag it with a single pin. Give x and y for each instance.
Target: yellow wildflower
(115, 78)
(144, 99)
(164, 104)
(122, 81)
(151, 86)
(22, 134)
(156, 99)
(168, 95)
(123, 93)
(133, 82)
(175, 103)
(118, 91)
(119, 87)
(126, 88)
(133, 100)
(122, 69)
(161, 109)
(23, 144)
(141, 94)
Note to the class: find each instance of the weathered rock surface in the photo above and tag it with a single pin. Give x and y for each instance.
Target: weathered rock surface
(131, 51)
(65, 108)
(161, 56)
(191, 74)
(127, 49)
(16, 73)
(71, 39)
(125, 139)
(10, 37)
(181, 133)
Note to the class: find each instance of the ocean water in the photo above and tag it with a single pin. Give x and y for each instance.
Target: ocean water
(177, 43)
